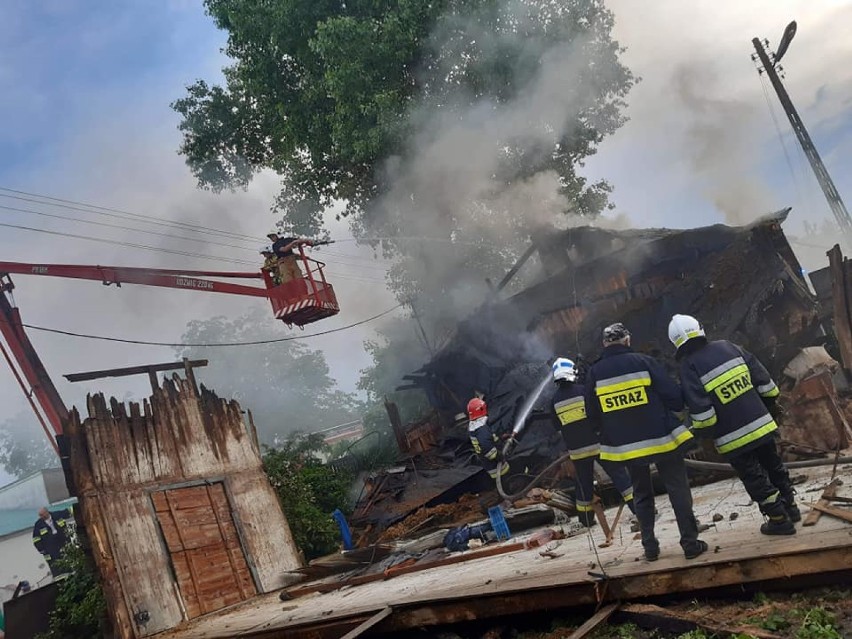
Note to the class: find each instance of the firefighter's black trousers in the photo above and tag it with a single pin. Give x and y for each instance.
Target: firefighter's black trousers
(672, 472)
(765, 478)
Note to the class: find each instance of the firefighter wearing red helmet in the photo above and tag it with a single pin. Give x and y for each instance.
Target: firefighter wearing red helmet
(483, 439)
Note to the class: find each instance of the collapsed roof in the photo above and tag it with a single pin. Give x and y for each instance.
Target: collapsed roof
(743, 283)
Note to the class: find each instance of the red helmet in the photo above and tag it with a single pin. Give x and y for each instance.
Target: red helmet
(476, 408)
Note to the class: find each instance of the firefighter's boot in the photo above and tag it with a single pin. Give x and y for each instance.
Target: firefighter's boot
(792, 509)
(587, 518)
(777, 520)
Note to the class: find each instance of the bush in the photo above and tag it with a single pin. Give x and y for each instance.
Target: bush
(309, 492)
(80, 611)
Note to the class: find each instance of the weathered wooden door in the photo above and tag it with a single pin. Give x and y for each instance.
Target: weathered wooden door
(208, 559)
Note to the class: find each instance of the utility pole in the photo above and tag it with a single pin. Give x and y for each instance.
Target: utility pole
(770, 66)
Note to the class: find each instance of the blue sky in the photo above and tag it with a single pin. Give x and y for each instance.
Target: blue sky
(85, 87)
(65, 60)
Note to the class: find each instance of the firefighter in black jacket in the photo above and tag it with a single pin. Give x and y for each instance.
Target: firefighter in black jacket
(731, 397)
(483, 439)
(631, 400)
(569, 407)
(50, 534)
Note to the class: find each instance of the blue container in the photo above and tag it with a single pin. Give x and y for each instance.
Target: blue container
(498, 523)
(345, 533)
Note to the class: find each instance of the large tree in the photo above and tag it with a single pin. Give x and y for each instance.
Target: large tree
(24, 448)
(324, 92)
(285, 385)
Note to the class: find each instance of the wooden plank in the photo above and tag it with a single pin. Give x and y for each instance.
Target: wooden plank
(132, 370)
(650, 616)
(159, 500)
(813, 517)
(840, 292)
(187, 588)
(840, 513)
(170, 532)
(189, 497)
(372, 621)
(236, 560)
(594, 621)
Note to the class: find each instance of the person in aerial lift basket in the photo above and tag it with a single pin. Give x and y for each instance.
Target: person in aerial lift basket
(484, 440)
(288, 264)
(631, 401)
(569, 409)
(731, 398)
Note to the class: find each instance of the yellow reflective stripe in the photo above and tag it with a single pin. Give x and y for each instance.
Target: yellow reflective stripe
(571, 414)
(769, 390)
(727, 376)
(491, 454)
(476, 447)
(640, 379)
(584, 506)
(704, 423)
(747, 438)
(585, 452)
(647, 447)
(503, 470)
(628, 496)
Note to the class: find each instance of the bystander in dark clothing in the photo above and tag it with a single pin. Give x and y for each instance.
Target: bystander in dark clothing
(50, 534)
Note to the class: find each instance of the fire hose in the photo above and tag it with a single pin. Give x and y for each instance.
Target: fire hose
(691, 463)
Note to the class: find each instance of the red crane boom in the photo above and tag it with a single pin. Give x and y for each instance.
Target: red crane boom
(299, 301)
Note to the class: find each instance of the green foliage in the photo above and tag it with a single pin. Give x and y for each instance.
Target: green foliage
(774, 621)
(816, 623)
(285, 385)
(309, 492)
(24, 448)
(80, 611)
(698, 633)
(324, 93)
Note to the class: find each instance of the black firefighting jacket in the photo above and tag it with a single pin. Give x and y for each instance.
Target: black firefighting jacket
(724, 386)
(569, 407)
(484, 443)
(48, 543)
(631, 399)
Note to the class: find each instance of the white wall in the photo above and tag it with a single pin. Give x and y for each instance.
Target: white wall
(26, 493)
(19, 560)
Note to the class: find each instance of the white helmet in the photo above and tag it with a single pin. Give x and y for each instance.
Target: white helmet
(683, 328)
(564, 369)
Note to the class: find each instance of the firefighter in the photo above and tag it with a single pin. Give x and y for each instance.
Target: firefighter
(731, 397)
(288, 263)
(483, 439)
(632, 402)
(270, 264)
(569, 407)
(50, 534)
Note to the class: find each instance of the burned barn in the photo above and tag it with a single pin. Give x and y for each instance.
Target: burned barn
(180, 515)
(743, 283)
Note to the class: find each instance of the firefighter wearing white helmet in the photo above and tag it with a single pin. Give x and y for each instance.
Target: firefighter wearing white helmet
(569, 408)
(731, 398)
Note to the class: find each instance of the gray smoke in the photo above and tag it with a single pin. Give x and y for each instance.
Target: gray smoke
(454, 184)
(724, 145)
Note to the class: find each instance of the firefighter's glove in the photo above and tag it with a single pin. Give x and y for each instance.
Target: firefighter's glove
(510, 446)
(774, 409)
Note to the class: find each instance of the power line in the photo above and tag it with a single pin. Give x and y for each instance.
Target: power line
(369, 262)
(127, 244)
(113, 212)
(172, 251)
(210, 345)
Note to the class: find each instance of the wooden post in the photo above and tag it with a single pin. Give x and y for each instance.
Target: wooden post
(841, 291)
(396, 424)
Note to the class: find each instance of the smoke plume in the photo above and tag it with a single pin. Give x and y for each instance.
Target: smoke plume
(723, 146)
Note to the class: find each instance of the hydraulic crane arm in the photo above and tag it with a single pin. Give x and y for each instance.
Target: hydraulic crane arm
(30, 369)
(29, 363)
(119, 275)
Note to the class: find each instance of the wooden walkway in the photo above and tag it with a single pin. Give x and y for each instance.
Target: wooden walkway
(524, 581)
